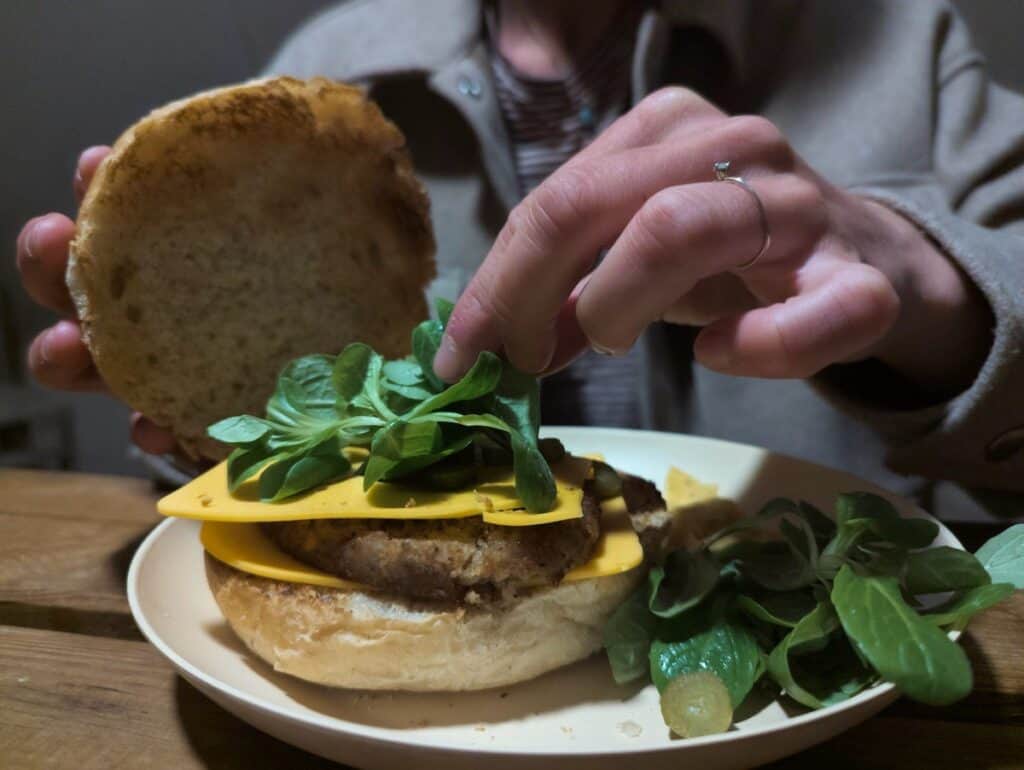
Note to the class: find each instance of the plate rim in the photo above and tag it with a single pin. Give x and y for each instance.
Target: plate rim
(882, 691)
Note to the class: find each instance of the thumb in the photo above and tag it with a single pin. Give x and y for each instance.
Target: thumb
(833, 322)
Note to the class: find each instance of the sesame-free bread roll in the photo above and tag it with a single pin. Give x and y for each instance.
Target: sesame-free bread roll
(232, 231)
(376, 641)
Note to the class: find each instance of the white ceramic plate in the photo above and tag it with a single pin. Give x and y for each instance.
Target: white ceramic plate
(573, 718)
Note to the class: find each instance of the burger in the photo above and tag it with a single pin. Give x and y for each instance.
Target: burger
(365, 525)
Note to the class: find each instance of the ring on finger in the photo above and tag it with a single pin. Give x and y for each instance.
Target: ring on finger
(722, 175)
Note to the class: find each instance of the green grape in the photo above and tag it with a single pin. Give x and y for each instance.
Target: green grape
(607, 483)
(696, 704)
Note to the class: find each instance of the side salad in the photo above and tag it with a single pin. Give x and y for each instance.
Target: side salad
(816, 608)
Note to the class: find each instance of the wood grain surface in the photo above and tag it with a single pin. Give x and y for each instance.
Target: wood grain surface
(80, 688)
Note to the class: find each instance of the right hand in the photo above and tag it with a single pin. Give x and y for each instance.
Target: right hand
(57, 357)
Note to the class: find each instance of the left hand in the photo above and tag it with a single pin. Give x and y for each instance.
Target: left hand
(844, 278)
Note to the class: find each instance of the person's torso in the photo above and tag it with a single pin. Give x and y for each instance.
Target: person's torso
(849, 83)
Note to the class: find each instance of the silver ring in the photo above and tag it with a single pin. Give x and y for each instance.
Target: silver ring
(722, 175)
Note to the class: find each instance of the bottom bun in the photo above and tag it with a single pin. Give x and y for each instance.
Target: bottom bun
(347, 638)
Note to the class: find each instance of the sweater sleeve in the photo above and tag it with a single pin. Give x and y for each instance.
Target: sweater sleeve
(972, 206)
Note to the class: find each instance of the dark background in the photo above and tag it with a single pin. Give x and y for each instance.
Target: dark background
(77, 72)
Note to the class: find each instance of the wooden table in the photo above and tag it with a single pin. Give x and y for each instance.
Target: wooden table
(79, 687)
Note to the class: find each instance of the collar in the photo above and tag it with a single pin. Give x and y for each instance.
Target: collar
(445, 32)
(443, 41)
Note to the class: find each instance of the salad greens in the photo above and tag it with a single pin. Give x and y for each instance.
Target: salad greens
(818, 609)
(415, 426)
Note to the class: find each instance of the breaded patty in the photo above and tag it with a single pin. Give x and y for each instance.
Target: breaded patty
(461, 559)
(648, 514)
(455, 559)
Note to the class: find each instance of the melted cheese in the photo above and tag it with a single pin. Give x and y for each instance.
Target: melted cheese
(245, 547)
(494, 498)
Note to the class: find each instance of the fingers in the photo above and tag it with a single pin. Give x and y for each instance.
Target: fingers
(553, 237)
(832, 322)
(549, 242)
(685, 234)
(88, 162)
(42, 245)
(42, 257)
(59, 359)
(150, 437)
(666, 112)
(570, 341)
(710, 299)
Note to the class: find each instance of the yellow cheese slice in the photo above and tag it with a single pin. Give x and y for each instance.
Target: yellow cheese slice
(207, 498)
(245, 547)
(618, 549)
(683, 490)
(697, 509)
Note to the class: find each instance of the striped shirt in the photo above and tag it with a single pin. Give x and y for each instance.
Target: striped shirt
(548, 122)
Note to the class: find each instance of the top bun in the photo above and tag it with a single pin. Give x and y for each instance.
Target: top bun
(232, 231)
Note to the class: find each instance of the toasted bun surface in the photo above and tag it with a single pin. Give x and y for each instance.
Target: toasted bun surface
(366, 641)
(240, 228)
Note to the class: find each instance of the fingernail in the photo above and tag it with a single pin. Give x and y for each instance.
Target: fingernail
(446, 361)
(602, 350)
(32, 239)
(46, 348)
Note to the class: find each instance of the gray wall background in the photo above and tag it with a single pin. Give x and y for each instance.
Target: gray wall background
(76, 72)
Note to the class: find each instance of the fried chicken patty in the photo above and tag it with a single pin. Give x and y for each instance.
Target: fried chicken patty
(457, 559)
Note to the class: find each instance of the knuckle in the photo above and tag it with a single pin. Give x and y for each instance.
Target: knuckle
(762, 134)
(563, 199)
(661, 216)
(806, 197)
(877, 302)
(650, 113)
(863, 307)
(670, 97)
(495, 307)
(806, 194)
(483, 305)
(552, 209)
(659, 227)
(666, 209)
(755, 129)
(513, 225)
(535, 228)
(530, 225)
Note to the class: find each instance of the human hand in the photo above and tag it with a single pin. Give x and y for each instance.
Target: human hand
(844, 278)
(57, 357)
